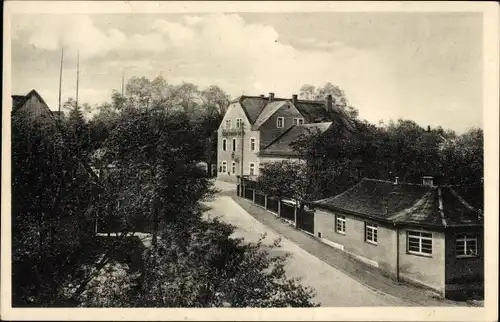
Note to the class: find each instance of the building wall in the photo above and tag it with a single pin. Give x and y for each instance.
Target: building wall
(269, 131)
(234, 112)
(382, 255)
(463, 271)
(427, 271)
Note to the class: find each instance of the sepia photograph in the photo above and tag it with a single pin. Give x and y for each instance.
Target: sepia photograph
(219, 155)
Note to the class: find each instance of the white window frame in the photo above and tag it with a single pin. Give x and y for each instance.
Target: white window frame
(340, 223)
(228, 124)
(254, 142)
(224, 166)
(298, 121)
(418, 237)
(239, 122)
(234, 144)
(464, 237)
(282, 122)
(251, 166)
(224, 145)
(373, 228)
(233, 167)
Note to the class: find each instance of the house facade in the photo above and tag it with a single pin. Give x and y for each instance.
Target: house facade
(424, 234)
(258, 129)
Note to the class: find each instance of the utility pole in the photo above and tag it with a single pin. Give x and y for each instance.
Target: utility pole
(123, 80)
(77, 75)
(242, 148)
(60, 80)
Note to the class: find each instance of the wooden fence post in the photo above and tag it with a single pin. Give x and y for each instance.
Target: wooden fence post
(265, 202)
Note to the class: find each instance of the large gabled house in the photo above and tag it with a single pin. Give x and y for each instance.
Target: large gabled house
(422, 233)
(259, 129)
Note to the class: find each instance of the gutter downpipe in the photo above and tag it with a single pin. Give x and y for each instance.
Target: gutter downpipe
(242, 149)
(397, 252)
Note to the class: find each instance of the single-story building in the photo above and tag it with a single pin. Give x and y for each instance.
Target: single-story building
(421, 233)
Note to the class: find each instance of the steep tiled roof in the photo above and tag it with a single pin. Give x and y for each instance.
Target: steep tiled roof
(17, 101)
(253, 105)
(405, 203)
(258, 108)
(281, 146)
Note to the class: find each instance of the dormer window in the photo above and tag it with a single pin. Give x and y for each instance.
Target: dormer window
(280, 122)
(228, 124)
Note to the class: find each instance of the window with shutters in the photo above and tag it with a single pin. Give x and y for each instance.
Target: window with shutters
(419, 243)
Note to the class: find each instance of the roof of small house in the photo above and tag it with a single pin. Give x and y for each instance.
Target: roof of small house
(18, 101)
(282, 145)
(406, 203)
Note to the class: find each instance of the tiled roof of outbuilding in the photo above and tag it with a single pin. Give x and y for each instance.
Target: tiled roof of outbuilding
(405, 203)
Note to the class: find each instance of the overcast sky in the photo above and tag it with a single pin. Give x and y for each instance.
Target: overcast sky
(421, 66)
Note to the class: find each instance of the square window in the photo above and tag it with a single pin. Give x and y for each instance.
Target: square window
(419, 243)
(466, 245)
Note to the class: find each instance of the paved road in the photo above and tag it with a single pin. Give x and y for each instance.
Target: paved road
(333, 288)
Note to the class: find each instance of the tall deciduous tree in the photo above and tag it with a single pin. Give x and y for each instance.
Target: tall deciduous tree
(311, 92)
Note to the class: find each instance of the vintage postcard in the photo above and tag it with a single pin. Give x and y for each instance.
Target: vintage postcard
(250, 161)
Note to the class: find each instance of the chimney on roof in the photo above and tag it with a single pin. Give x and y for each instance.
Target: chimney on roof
(428, 181)
(428, 128)
(294, 99)
(271, 97)
(329, 103)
